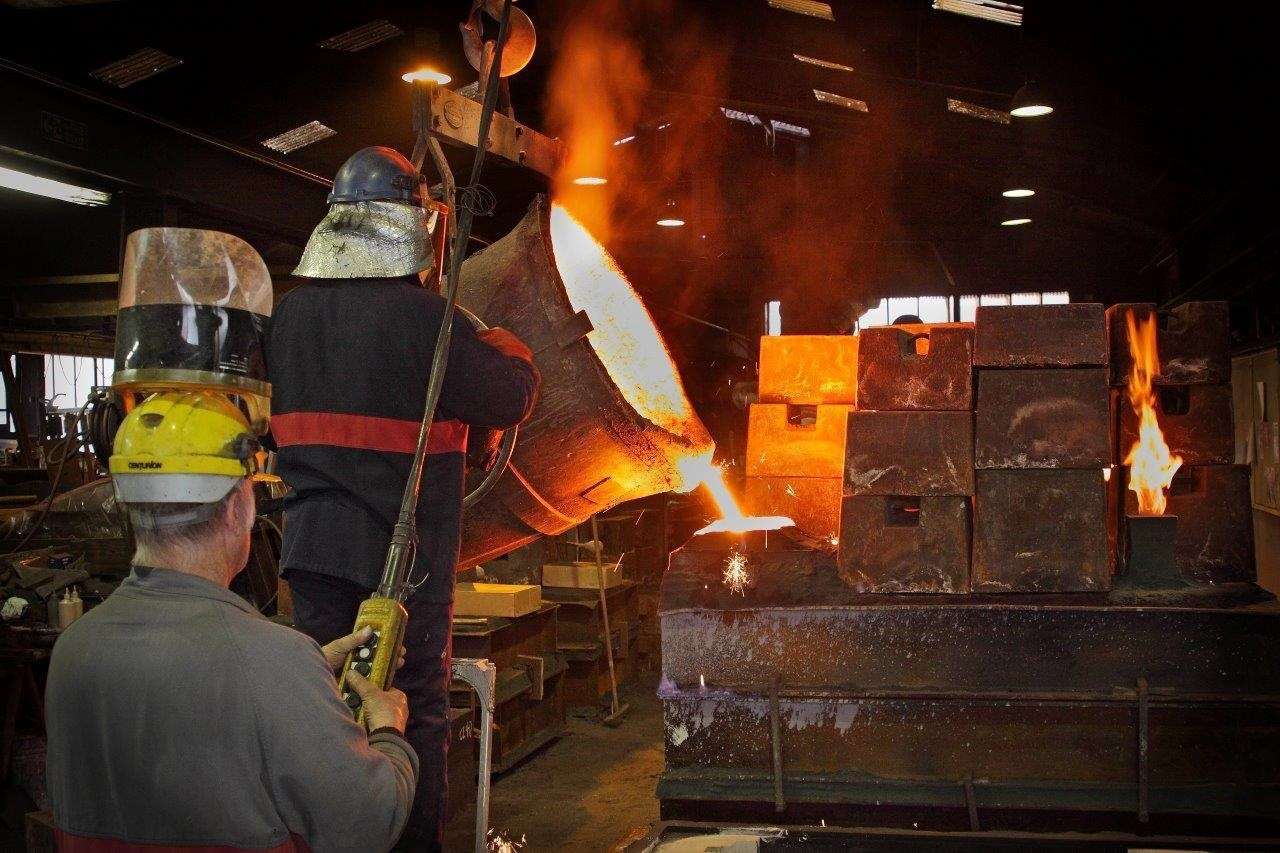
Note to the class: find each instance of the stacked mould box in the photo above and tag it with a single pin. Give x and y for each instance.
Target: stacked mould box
(1043, 509)
(904, 521)
(1209, 494)
(796, 433)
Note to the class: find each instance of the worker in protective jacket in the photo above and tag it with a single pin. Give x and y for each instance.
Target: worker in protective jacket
(348, 356)
(180, 718)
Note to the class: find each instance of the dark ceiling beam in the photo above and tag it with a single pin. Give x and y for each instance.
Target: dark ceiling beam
(59, 125)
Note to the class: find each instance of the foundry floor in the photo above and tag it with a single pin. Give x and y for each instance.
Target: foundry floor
(584, 792)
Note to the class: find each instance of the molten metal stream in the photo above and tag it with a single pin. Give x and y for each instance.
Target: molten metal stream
(1151, 464)
(700, 471)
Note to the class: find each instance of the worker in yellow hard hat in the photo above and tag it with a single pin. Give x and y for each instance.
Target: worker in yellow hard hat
(178, 715)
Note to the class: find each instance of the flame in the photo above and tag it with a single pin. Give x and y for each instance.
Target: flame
(701, 471)
(1151, 464)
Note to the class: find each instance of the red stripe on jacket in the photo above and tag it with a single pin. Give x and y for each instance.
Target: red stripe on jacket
(365, 432)
(70, 843)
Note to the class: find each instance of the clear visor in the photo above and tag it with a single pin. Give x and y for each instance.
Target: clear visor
(191, 266)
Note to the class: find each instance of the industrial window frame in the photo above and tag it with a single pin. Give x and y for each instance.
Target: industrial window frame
(950, 309)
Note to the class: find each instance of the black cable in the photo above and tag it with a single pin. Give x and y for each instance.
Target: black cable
(401, 553)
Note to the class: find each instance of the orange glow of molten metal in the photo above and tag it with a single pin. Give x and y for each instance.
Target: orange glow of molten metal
(1152, 465)
(701, 471)
(623, 334)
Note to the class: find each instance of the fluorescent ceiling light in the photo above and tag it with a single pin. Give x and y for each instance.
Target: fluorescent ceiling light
(987, 10)
(964, 108)
(671, 223)
(135, 68)
(299, 137)
(361, 37)
(624, 140)
(789, 129)
(739, 115)
(822, 63)
(841, 101)
(1021, 220)
(49, 188)
(1019, 193)
(590, 181)
(804, 7)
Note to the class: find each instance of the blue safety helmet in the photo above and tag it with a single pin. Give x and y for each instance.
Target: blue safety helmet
(377, 173)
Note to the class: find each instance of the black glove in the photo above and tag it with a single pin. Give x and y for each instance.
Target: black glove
(483, 445)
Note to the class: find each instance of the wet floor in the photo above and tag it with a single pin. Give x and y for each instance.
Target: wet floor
(584, 792)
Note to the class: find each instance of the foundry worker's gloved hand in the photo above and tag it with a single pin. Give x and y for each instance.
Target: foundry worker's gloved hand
(484, 443)
(506, 343)
(384, 709)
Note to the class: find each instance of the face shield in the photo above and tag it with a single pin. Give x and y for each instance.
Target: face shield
(194, 307)
(374, 239)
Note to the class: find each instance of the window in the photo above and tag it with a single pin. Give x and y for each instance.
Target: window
(68, 379)
(773, 318)
(943, 309)
(6, 419)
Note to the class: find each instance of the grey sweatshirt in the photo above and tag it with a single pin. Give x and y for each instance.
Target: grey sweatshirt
(178, 715)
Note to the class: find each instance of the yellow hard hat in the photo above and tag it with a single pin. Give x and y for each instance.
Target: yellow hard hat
(182, 447)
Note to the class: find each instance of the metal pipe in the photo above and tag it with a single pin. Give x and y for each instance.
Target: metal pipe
(481, 675)
(1124, 696)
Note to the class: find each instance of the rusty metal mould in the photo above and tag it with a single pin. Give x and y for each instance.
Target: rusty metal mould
(909, 453)
(1213, 543)
(1043, 419)
(1041, 531)
(1040, 336)
(1193, 339)
(809, 369)
(905, 544)
(1196, 420)
(796, 441)
(912, 368)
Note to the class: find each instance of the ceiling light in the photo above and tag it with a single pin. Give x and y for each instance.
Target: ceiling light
(822, 63)
(49, 188)
(426, 75)
(987, 10)
(739, 115)
(589, 181)
(840, 101)
(624, 140)
(1029, 102)
(964, 108)
(664, 125)
(789, 129)
(804, 7)
(1018, 193)
(1021, 220)
(299, 137)
(671, 223)
(365, 35)
(135, 68)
